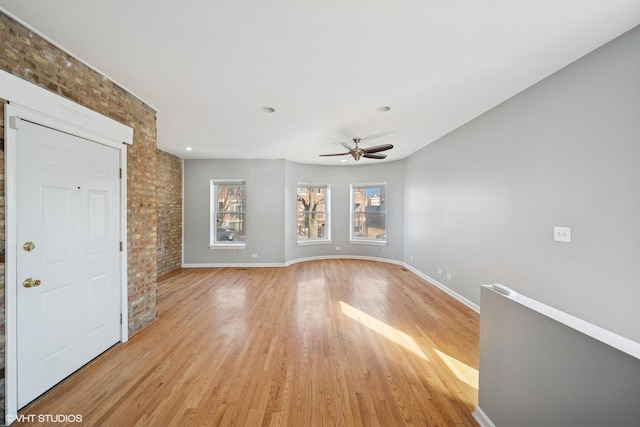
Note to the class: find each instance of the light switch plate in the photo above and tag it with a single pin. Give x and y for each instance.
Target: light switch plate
(562, 234)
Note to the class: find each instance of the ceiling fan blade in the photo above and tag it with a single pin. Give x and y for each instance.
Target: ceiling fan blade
(378, 148)
(347, 146)
(374, 156)
(335, 154)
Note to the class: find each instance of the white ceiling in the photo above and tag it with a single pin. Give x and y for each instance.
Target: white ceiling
(209, 67)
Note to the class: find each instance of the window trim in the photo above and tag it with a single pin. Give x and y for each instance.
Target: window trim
(213, 211)
(367, 241)
(327, 215)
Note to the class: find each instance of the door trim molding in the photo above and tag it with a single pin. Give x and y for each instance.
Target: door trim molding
(32, 103)
(16, 90)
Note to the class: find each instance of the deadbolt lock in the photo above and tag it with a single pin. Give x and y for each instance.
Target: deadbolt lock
(29, 246)
(31, 283)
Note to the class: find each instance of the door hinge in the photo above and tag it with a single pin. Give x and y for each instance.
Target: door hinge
(15, 122)
(121, 318)
(121, 246)
(120, 173)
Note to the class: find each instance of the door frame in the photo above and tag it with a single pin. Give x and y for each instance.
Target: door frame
(27, 101)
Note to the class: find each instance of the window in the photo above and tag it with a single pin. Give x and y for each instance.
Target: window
(227, 213)
(313, 213)
(368, 213)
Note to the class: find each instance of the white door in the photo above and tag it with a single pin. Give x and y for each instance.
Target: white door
(68, 290)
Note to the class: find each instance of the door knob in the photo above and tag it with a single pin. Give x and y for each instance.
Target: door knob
(31, 283)
(28, 246)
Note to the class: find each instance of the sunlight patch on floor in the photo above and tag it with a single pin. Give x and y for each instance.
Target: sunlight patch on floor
(383, 329)
(462, 371)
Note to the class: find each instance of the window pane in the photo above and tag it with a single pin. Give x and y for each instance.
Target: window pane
(231, 198)
(228, 212)
(311, 226)
(229, 227)
(369, 225)
(369, 212)
(312, 212)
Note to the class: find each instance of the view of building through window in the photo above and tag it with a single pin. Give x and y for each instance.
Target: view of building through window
(228, 211)
(313, 212)
(368, 212)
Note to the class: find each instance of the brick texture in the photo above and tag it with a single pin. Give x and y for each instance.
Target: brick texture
(169, 212)
(32, 58)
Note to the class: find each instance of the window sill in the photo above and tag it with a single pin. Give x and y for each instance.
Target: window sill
(313, 242)
(369, 242)
(234, 246)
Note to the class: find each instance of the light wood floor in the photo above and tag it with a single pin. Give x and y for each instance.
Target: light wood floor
(321, 343)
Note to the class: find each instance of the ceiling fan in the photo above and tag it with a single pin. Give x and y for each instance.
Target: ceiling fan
(357, 152)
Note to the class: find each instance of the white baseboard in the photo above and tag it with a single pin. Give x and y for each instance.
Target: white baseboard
(434, 282)
(482, 419)
(367, 258)
(233, 265)
(288, 263)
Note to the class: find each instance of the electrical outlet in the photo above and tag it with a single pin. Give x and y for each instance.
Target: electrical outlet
(411, 258)
(448, 276)
(337, 248)
(562, 234)
(254, 255)
(440, 271)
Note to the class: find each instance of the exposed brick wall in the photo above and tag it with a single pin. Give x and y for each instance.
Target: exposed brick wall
(169, 212)
(141, 224)
(32, 58)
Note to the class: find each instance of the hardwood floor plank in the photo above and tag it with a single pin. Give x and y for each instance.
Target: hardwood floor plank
(321, 343)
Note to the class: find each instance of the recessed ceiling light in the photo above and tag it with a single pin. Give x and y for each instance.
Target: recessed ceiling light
(268, 110)
(189, 148)
(384, 109)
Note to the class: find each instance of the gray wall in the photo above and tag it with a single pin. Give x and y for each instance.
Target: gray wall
(340, 178)
(271, 210)
(535, 371)
(482, 201)
(265, 200)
